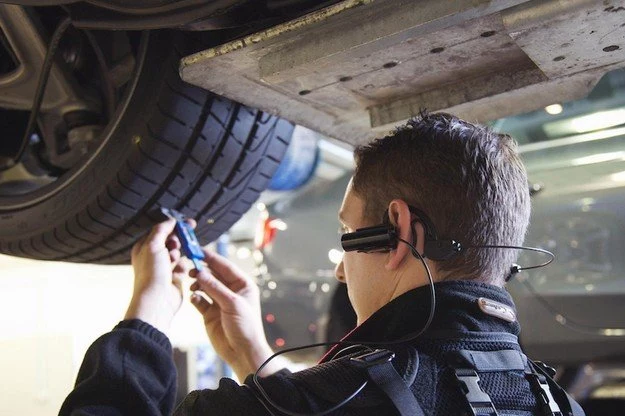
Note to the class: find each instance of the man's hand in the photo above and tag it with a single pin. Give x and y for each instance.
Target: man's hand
(233, 321)
(159, 270)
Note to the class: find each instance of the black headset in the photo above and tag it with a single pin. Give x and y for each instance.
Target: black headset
(383, 238)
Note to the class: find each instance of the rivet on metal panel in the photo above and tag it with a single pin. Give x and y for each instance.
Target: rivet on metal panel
(611, 48)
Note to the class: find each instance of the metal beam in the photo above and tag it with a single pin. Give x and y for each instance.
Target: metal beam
(354, 70)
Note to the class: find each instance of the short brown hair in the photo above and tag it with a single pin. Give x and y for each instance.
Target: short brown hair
(468, 179)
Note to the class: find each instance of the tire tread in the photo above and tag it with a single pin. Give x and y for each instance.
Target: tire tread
(196, 152)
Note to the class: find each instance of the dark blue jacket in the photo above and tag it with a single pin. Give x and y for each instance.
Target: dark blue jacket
(130, 371)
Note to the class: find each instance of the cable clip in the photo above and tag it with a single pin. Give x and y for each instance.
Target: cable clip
(551, 372)
(370, 359)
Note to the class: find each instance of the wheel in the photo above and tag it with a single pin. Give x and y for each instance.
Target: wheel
(168, 144)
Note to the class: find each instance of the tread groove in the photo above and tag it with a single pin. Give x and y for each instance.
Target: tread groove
(149, 157)
(99, 203)
(20, 246)
(110, 194)
(123, 185)
(235, 167)
(55, 233)
(140, 175)
(169, 115)
(182, 94)
(90, 215)
(46, 244)
(35, 249)
(85, 228)
(75, 236)
(160, 139)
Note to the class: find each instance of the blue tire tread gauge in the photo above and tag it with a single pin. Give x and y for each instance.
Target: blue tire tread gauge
(189, 243)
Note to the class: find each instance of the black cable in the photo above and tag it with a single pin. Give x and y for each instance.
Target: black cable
(518, 268)
(559, 317)
(270, 403)
(416, 254)
(109, 88)
(44, 75)
(285, 411)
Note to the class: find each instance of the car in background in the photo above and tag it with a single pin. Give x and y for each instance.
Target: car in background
(572, 312)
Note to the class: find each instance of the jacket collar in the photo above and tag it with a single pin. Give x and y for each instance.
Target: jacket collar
(457, 309)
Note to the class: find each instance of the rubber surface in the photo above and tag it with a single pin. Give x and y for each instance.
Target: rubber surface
(179, 147)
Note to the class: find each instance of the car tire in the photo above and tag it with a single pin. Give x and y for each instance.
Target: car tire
(175, 146)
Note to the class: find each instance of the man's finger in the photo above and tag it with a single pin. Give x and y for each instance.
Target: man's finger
(224, 269)
(177, 282)
(200, 303)
(209, 311)
(193, 272)
(174, 257)
(216, 290)
(159, 234)
(138, 244)
(181, 267)
(172, 242)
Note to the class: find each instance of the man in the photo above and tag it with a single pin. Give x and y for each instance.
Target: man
(436, 179)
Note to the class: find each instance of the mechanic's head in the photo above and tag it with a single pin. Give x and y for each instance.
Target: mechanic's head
(468, 180)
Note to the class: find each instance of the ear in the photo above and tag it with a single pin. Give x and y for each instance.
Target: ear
(400, 217)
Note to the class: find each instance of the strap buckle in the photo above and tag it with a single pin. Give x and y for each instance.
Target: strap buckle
(372, 358)
(479, 402)
(544, 398)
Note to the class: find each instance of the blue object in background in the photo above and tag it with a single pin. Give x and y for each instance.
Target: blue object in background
(221, 245)
(299, 163)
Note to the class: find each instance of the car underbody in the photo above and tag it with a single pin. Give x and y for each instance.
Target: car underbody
(357, 68)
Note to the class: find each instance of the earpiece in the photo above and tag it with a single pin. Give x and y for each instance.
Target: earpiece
(380, 238)
(441, 249)
(383, 238)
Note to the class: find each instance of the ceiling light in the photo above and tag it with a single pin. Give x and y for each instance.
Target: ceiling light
(587, 123)
(553, 109)
(243, 253)
(335, 256)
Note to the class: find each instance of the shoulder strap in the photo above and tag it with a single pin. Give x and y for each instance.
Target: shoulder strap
(553, 400)
(381, 372)
(542, 391)
(568, 405)
(488, 361)
(467, 363)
